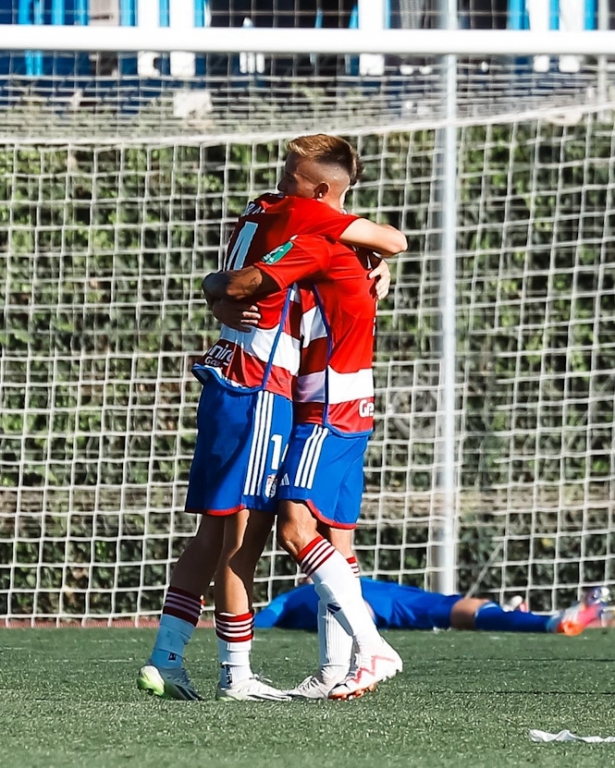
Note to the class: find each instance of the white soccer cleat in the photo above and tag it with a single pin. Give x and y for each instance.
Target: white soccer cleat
(367, 671)
(315, 687)
(516, 603)
(167, 683)
(251, 689)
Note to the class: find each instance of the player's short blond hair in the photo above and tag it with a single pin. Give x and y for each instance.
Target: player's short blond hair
(329, 150)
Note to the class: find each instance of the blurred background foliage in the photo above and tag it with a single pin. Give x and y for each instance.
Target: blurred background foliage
(102, 252)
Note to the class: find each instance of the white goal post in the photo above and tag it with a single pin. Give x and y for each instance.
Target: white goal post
(431, 42)
(492, 466)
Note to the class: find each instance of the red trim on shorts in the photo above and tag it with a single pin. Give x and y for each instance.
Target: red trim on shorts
(216, 512)
(319, 516)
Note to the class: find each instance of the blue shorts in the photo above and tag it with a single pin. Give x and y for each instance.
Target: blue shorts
(239, 450)
(325, 470)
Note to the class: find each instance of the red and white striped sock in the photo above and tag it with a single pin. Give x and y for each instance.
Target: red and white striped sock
(336, 584)
(234, 633)
(183, 605)
(334, 643)
(180, 615)
(353, 563)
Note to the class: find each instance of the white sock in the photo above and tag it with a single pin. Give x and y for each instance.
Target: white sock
(334, 643)
(235, 635)
(336, 585)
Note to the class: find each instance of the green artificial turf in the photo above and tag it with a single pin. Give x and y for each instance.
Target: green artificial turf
(68, 698)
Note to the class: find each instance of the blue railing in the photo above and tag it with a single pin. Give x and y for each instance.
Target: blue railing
(140, 76)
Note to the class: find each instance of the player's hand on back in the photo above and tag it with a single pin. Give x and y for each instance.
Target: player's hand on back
(381, 275)
(236, 315)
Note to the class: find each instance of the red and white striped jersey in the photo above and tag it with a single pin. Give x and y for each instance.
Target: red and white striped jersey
(334, 386)
(268, 357)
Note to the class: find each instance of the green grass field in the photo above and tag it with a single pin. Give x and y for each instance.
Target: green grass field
(69, 698)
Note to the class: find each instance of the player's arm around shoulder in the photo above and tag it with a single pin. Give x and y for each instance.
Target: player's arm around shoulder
(237, 285)
(382, 238)
(296, 259)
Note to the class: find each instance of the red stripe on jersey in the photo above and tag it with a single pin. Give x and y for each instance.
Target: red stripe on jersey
(250, 371)
(315, 355)
(352, 416)
(294, 316)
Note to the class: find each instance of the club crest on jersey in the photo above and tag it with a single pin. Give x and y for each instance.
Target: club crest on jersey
(277, 254)
(271, 486)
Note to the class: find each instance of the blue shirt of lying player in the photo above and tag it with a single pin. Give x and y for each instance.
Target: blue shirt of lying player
(393, 606)
(400, 607)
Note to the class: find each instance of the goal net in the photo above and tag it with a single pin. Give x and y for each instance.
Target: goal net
(121, 176)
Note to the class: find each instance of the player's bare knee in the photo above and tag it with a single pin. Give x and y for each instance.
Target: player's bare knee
(296, 527)
(464, 611)
(290, 536)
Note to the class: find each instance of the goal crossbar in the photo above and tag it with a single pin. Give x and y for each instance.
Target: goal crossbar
(302, 41)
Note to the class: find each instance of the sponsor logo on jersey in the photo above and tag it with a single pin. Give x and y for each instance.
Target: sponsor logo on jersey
(284, 480)
(277, 254)
(220, 355)
(366, 409)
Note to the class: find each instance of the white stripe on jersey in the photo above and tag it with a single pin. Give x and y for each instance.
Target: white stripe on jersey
(311, 388)
(260, 442)
(259, 343)
(344, 387)
(312, 326)
(309, 457)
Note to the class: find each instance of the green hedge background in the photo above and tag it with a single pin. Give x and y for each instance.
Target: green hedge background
(102, 251)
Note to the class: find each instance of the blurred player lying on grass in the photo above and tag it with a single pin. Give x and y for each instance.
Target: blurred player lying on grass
(395, 606)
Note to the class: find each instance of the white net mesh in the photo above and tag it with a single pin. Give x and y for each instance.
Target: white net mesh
(136, 95)
(108, 221)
